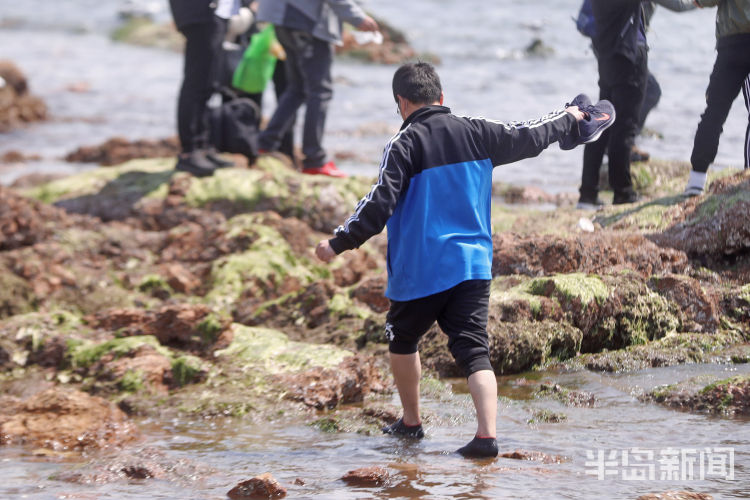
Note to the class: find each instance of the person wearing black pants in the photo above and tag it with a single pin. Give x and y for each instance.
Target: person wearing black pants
(730, 73)
(308, 31)
(746, 95)
(204, 33)
(621, 51)
(622, 82)
(286, 144)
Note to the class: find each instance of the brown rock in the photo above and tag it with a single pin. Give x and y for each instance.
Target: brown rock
(24, 221)
(349, 382)
(13, 77)
(17, 106)
(714, 227)
(527, 195)
(180, 278)
(354, 265)
(52, 352)
(14, 156)
(366, 476)
(179, 325)
(65, 419)
(588, 253)
(371, 291)
(700, 306)
(262, 486)
(676, 495)
(119, 150)
(34, 179)
(154, 369)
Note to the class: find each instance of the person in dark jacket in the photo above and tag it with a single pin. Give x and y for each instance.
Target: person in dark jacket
(308, 30)
(434, 194)
(621, 51)
(731, 71)
(746, 95)
(204, 25)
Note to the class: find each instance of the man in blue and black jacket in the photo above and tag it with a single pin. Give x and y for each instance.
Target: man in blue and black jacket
(434, 194)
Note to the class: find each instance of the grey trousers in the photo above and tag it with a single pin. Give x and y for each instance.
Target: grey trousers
(309, 82)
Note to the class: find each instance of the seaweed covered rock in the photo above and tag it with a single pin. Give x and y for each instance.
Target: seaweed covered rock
(698, 305)
(129, 190)
(730, 396)
(186, 326)
(514, 347)
(349, 382)
(714, 226)
(24, 221)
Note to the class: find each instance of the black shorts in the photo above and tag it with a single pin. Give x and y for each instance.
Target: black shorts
(460, 311)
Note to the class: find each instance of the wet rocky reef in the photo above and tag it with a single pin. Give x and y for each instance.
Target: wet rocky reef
(134, 290)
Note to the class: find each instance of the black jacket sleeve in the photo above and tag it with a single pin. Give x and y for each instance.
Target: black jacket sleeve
(374, 210)
(510, 142)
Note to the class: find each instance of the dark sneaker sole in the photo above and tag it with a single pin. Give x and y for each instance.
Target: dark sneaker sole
(195, 171)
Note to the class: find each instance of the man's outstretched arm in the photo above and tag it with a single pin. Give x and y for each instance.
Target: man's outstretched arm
(511, 142)
(372, 211)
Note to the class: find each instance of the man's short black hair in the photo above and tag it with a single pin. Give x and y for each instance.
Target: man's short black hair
(418, 82)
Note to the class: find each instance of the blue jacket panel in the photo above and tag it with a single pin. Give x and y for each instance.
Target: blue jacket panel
(449, 208)
(434, 191)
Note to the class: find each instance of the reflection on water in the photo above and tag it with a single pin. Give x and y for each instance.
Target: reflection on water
(235, 450)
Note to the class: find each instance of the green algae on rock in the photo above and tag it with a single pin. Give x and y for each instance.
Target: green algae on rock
(673, 349)
(85, 354)
(266, 352)
(730, 396)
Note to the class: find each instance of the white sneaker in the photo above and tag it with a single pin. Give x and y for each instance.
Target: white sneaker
(696, 184)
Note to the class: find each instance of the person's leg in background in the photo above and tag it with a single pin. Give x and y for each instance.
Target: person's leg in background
(217, 79)
(319, 91)
(279, 85)
(727, 78)
(203, 59)
(286, 146)
(650, 100)
(194, 93)
(746, 95)
(593, 156)
(295, 44)
(627, 82)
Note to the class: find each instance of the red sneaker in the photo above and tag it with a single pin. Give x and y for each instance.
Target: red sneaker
(328, 169)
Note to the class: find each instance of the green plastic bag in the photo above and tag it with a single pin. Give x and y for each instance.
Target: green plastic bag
(257, 64)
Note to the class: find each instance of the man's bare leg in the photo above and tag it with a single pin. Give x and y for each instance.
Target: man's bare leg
(483, 389)
(407, 370)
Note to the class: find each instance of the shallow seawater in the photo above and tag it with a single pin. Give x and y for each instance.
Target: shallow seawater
(227, 451)
(131, 91)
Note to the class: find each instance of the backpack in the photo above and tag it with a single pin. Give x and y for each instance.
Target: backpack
(234, 125)
(585, 20)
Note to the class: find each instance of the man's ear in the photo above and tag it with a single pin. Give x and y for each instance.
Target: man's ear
(442, 98)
